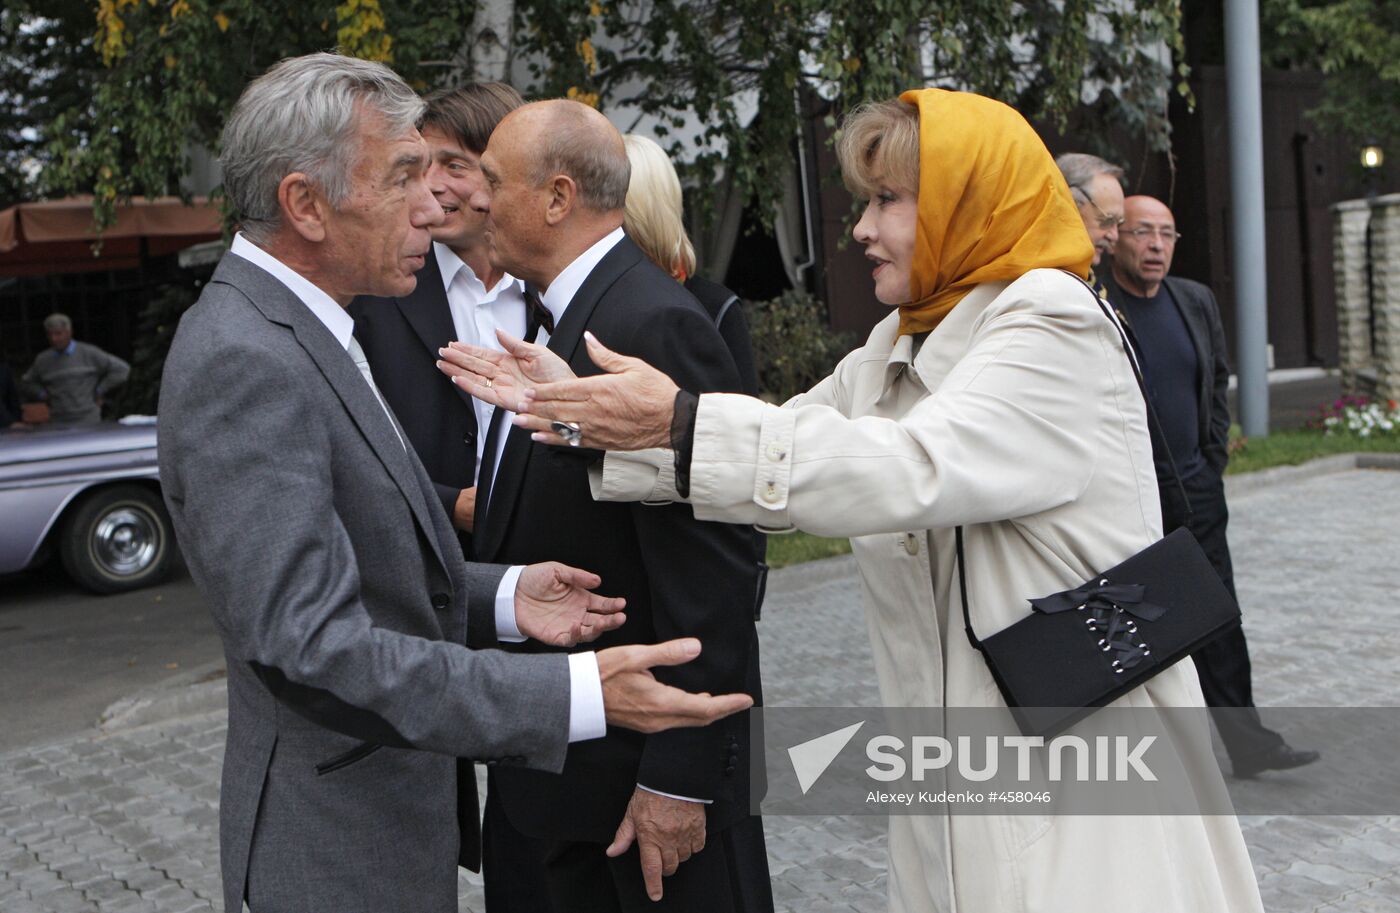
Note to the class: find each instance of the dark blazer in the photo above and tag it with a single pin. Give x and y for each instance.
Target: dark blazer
(1198, 308)
(727, 311)
(680, 576)
(344, 606)
(401, 337)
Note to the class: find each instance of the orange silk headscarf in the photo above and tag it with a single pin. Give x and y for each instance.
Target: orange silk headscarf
(992, 204)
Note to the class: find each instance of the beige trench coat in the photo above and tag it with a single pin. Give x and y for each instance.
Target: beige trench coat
(1018, 418)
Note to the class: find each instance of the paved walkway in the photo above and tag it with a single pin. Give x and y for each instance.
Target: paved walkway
(126, 821)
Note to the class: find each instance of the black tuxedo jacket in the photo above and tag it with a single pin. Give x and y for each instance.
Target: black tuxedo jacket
(1197, 306)
(680, 576)
(401, 337)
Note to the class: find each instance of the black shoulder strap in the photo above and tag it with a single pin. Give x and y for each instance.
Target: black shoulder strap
(1155, 428)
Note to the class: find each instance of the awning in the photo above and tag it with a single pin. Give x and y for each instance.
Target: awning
(56, 236)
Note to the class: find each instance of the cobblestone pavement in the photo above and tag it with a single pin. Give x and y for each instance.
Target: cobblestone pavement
(127, 821)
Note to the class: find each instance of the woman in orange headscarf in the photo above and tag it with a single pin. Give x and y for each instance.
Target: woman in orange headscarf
(996, 396)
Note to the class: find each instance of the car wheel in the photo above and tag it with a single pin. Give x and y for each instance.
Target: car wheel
(118, 539)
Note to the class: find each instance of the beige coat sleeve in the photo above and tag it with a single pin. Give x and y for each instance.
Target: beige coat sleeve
(649, 475)
(1007, 433)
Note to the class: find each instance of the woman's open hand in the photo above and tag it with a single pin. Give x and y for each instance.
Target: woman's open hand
(500, 378)
(628, 408)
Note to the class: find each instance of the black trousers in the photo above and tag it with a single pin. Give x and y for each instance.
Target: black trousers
(1222, 664)
(512, 864)
(528, 875)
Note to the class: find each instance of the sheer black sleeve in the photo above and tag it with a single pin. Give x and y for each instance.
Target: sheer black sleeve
(683, 437)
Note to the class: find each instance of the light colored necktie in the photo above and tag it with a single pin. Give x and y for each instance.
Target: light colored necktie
(357, 353)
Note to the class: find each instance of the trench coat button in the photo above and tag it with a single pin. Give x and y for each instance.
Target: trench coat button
(777, 452)
(911, 543)
(440, 601)
(770, 493)
(729, 771)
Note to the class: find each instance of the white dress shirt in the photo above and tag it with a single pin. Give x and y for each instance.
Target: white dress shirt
(565, 285)
(586, 714)
(477, 312)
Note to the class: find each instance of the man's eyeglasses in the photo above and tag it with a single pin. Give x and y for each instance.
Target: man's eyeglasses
(1106, 221)
(1143, 233)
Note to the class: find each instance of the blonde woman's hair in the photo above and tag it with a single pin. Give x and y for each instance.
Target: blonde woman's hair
(879, 146)
(653, 214)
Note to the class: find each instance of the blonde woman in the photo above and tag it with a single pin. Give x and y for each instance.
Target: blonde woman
(996, 396)
(655, 221)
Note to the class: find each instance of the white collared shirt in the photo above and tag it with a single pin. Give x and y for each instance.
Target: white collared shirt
(477, 312)
(326, 308)
(565, 285)
(587, 719)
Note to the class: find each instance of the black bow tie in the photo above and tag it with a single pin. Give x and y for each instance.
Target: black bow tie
(538, 316)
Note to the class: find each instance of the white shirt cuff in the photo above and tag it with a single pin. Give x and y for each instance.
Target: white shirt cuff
(506, 628)
(674, 796)
(586, 717)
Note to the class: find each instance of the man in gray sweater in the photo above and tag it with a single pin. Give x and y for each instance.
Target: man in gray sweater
(71, 376)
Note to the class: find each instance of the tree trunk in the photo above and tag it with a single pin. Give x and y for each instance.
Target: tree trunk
(485, 57)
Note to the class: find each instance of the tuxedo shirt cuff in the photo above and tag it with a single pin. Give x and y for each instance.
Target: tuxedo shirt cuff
(674, 796)
(587, 719)
(507, 631)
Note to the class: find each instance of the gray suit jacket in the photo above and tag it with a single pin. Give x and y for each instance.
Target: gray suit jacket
(344, 605)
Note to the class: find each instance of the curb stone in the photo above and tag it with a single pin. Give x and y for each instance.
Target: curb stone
(1340, 462)
(198, 690)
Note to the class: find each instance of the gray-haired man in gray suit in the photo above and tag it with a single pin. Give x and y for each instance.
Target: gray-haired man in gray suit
(347, 615)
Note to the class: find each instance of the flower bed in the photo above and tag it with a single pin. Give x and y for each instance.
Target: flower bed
(1358, 416)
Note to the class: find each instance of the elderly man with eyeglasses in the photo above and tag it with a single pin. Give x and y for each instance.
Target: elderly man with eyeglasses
(1176, 328)
(1097, 188)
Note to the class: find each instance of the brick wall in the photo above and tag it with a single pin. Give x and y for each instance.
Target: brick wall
(1368, 307)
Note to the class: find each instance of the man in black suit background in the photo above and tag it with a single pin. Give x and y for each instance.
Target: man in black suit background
(626, 810)
(1176, 326)
(459, 295)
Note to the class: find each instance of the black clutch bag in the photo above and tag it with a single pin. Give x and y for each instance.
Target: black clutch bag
(1085, 647)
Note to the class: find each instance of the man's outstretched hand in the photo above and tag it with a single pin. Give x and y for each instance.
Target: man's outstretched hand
(628, 408)
(553, 605)
(634, 699)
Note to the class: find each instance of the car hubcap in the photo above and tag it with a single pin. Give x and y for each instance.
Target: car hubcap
(125, 541)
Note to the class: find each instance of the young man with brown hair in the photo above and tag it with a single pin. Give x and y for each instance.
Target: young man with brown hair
(459, 296)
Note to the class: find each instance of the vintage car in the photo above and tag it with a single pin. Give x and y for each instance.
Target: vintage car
(92, 493)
